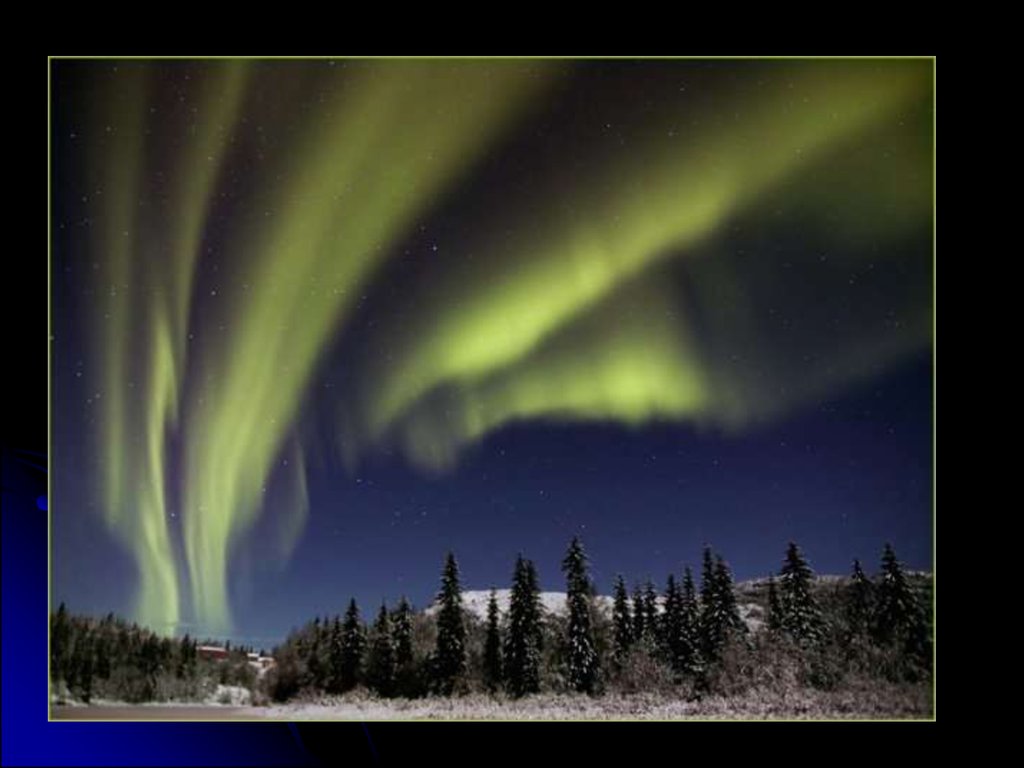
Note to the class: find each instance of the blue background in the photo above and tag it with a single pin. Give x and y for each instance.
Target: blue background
(29, 739)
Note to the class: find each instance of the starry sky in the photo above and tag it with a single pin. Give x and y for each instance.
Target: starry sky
(316, 322)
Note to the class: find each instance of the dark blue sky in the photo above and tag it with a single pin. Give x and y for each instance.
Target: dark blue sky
(840, 477)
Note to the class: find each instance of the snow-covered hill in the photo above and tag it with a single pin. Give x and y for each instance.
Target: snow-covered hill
(753, 613)
(553, 603)
(475, 602)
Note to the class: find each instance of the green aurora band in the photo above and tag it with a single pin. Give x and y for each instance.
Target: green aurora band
(627, 217)
(147, 290)
(571, 317)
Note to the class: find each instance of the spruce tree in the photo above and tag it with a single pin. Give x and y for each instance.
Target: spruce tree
(84, 650)
(492, 646)
(105, 646)
(380, 665)
(622, 623)
(335, 657)
(710, 613)
(689, 649)
(801, 617)
(402, 633)
(651, 618)
(353, 643)
(314, 666)
(859, 602)
(727, 596)
(450, 655)
(672, 631)
(899, 620)
(405, 665)
(639, 614)
(523, 641)
(720, 618)
(581, 653)
(60, 644)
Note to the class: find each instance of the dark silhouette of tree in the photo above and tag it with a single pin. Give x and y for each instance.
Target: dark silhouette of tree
(639, 615)
(689, 649)
(406, 674)
(402, 633)
(899, 619)
(315, 673)
(492, 646)
(335, 656)
(353, 643)
(450, 655)
(801, 617)
(649, 606)
(380, 665)
(523, 641)
(859, 603)
(727, 595)
(187, 656)
(672, 632)
(581, 653)
(60, 644)
(622, 623)
(720, 619)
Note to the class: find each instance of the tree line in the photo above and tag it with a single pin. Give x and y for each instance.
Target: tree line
(113, 659)
(684, 639)
(687, 639)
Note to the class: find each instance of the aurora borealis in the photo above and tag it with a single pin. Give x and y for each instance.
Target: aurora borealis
(275, 282)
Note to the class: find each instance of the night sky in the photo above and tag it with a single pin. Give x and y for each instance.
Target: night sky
(318, 322)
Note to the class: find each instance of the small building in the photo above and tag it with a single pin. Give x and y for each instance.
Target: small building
(215, 652)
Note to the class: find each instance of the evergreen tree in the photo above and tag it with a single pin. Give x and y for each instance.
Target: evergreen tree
(622, 623)
(380, 667)
(406, 678)
(314, 666)
(582, 656)
(450, 656)
(186, 657)
(689, 648)
(672, 630)
(859, 602)
(492, 646)
(335, 657)
(150, 665)
(800, 616)
(710, 618)
(84, 650)
(645, 616)
(60, 644)
(651, 619)
(352, 645)
(774, 607)
(523, 641)
(720, 618)
(727, 597)
(899, 620)
(402, 633)
(104, 646)
(639, 615)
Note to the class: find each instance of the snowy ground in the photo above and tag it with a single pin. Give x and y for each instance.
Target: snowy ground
(874, 703)
(804, 704)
